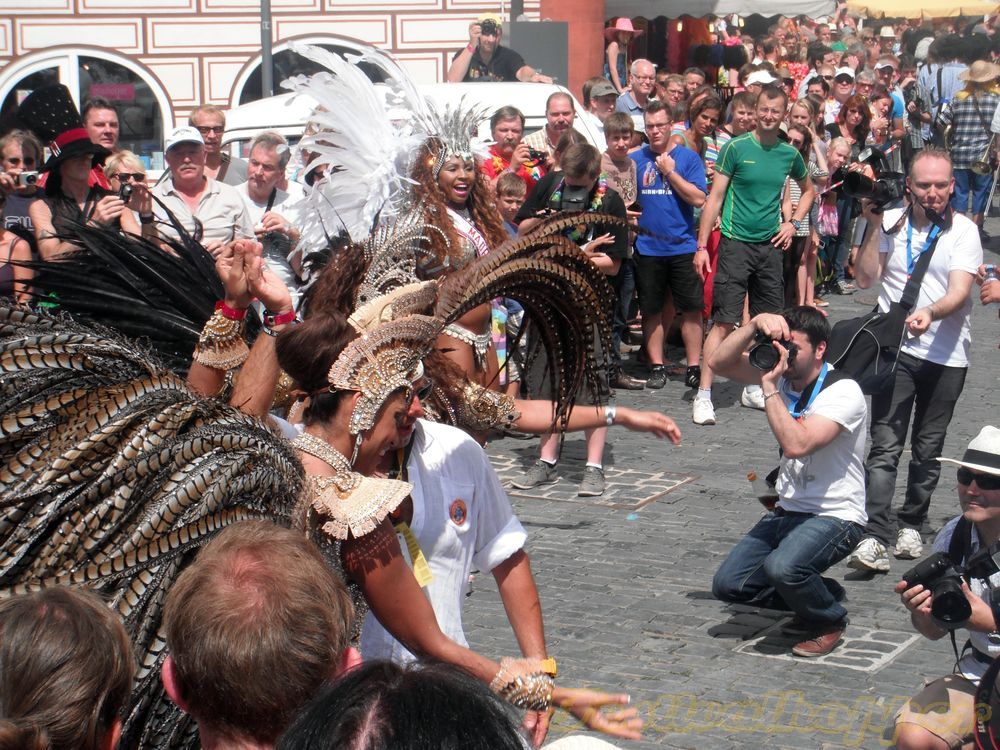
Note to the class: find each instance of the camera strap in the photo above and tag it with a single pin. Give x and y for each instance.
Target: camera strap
(809, 394)
(911, 259)
(270, 199)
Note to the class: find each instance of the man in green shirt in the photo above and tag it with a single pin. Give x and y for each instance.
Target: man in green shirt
(746, 190)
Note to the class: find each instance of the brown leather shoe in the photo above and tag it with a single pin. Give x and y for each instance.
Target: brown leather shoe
(626, 382)
(820, 642)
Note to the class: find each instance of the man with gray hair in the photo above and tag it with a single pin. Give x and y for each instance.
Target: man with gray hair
(272, 204)
(642, 78)
(210, 121)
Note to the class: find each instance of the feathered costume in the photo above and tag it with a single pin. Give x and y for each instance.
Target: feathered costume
(113, 473)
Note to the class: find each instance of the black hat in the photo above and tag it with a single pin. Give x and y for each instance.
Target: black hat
(50, 113)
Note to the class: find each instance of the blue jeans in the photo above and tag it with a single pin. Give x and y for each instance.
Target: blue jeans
(623, 284)
(786, 554)
(842, 246)
(967, 181)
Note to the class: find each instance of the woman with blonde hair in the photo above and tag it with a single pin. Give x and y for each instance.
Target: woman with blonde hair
(125, 169)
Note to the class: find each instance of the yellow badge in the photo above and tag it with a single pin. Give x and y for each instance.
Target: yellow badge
(459, 512)
(421, 569)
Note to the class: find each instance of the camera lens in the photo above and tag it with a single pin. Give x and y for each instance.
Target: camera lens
(948, 603)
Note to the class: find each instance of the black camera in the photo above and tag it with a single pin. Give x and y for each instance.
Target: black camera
(489, 27)
(764, 356)
(276, 244)
(125, 192)
(27, 179)
(535, 156)
(887, 187)
(939, 575)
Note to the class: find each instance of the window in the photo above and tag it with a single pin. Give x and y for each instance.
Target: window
(143, 106)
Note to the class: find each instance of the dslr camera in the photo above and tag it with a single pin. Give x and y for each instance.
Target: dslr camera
(489, 27)
(887, 187)
(764, 356)
(943, 578)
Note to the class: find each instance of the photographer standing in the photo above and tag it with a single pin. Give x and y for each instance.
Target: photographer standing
(485, 59)
(942, 715)
(934, 357)
(818, 417)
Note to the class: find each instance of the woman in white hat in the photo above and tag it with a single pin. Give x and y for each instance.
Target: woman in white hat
(969, 115)
(616, 61)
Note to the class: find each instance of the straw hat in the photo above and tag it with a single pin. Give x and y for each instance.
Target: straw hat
(980, 72)
(983, 453)
(622, 24)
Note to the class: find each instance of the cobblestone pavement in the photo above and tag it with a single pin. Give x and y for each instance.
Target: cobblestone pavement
(625, 580)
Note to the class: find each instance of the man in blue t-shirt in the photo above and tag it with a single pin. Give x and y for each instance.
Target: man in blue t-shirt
(671, 184)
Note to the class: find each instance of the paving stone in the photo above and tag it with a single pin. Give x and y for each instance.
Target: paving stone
(626, 591)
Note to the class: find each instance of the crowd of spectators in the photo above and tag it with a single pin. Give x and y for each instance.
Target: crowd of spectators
(740, 183)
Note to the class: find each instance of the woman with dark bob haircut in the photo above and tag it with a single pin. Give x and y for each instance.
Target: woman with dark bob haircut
(65, 671)
(413, 707)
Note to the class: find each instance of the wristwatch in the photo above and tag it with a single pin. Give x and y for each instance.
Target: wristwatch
(797, 223)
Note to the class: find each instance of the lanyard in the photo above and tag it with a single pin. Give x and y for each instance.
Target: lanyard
(910, 258)
(817, 386)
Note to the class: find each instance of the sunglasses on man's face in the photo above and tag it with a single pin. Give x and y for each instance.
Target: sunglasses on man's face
(983, 481)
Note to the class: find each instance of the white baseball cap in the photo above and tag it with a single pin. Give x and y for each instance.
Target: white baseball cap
(184, 134)
(762, 77)
(844, 71)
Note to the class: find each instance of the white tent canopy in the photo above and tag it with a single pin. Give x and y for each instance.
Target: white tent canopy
(699, 8)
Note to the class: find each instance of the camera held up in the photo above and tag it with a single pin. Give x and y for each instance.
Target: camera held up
(887, 187)
(27, 179)
(939, 575)
(764, 356)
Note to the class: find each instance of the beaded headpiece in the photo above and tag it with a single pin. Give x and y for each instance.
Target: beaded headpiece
(380, 362)
(456, 129)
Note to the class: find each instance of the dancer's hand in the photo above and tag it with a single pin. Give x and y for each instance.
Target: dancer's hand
(586, 705)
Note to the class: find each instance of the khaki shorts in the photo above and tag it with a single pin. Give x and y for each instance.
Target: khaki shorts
(945, 708)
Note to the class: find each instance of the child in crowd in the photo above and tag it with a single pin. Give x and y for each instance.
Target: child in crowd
(511, 191)
(619, 170)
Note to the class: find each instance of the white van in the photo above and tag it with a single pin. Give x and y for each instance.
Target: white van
(288, 113)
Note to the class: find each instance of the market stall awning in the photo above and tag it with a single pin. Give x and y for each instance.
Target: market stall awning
(918, 9)
(699, 8)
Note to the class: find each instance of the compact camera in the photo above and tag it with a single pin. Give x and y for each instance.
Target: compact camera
(276, 244)
(489, 27)
(764, 356)
(536, 157)
(125, 192)
(27, 179)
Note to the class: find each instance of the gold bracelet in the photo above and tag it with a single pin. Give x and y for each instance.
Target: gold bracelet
(768, 395)
(221, 345)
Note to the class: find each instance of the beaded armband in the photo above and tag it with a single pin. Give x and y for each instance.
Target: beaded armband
(221, 345)
(525, 683)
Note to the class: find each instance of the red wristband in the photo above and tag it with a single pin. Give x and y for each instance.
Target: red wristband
(278, 319)
(470, 48)
(228, 312)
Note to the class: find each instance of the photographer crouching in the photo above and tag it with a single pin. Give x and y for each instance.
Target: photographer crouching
(818, 417)
(950, 590)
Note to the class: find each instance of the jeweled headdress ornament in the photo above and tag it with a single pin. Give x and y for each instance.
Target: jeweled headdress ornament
(456, 130)
(380, 362)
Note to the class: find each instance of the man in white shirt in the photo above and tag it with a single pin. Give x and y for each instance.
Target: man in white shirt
(818, 417)
(934, 358)
(210, 211)
(272, 204)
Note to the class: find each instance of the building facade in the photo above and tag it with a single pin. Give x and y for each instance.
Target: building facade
(156, 61)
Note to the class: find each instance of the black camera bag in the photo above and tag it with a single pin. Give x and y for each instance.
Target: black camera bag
(867, 347)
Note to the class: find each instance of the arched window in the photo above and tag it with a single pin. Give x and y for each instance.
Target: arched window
(288, 64)
(143, 106)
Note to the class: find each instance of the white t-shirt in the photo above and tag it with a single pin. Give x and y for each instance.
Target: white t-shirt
(447, 467)
(947, 341)
(831, 480)
(970, 667)
(285, 203)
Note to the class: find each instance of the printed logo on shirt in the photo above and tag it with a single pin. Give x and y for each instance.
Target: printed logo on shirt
(458, 512)
(649, 175)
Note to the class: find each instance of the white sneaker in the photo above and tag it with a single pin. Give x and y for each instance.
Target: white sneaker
(753, 397)
(909, 545)
(869, 555)
(702, 411)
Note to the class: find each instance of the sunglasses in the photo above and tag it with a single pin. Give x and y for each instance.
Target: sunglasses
(126, 176)
(422, 392)
(206, 129)
(984, 481)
